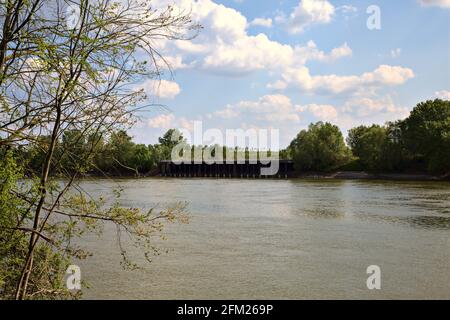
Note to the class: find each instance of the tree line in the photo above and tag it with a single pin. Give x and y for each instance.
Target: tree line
(116, 155)
(420, 143)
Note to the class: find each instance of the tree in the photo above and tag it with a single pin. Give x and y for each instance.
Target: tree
(367, 143)
(61, 83)
(120, 149)
(420, 142)
(426, 134)
(142, 159)
(394, 156)
(321, 147)
(169, 140)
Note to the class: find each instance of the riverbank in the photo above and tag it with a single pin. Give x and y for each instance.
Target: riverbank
(339, 175)
(359, 175)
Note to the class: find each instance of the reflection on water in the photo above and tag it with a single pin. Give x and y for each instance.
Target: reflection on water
(323, 213)
(277, 239)
(425, 222)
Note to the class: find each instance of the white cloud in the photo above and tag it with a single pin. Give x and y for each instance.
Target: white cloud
(269, 108)
(321, 111)
(248, 54)
(383, 75)
(175, 62)
(163, 121)
(436, 3)
(310, 52)
(390, 75)
(444, 94)
(169, 121)
(228, 113)
(340, 52)
(367, 107)
(225, 47)
(357, 111)
(307, 13)
(262, 22)
(161, 88)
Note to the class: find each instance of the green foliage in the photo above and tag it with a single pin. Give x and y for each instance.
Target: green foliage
(426, 134)
(142, 158)
(77, 215)
(171, 138)
(352, 165)
(15, 215)
(367, 144)
(11, 210)
(320, 148)
(117, 155)
(168, 141)
(421, 142)
(121, 156)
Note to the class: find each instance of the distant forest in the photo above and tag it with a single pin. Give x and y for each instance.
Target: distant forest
(420, 143)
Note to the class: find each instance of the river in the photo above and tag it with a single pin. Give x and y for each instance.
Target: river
(281, 239)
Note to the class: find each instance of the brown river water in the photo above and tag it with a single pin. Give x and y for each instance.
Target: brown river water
(281, 239)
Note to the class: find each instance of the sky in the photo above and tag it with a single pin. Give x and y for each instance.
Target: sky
(285, 64)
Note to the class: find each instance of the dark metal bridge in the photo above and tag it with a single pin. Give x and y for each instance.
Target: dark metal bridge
(247, 169)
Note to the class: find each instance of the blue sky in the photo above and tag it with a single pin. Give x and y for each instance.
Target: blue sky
(284, 64)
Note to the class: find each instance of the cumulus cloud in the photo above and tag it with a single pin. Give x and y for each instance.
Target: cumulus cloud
(269, 108)
(310, 52)
(321, 111)
(307, 13)
(248, 54)
(161, 88)
(225, 47)
(229, 112)
(169, 121)
(356, 111)
(175, 62)
(163, 121)
(262, 22)
(444, 94)
(390, 75)
(435, 3)
(301, 78)
(367, 107)
(279, 111)
(340, 52)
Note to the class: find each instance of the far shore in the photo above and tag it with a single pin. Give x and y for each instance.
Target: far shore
(339, 175)
(359, 175)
